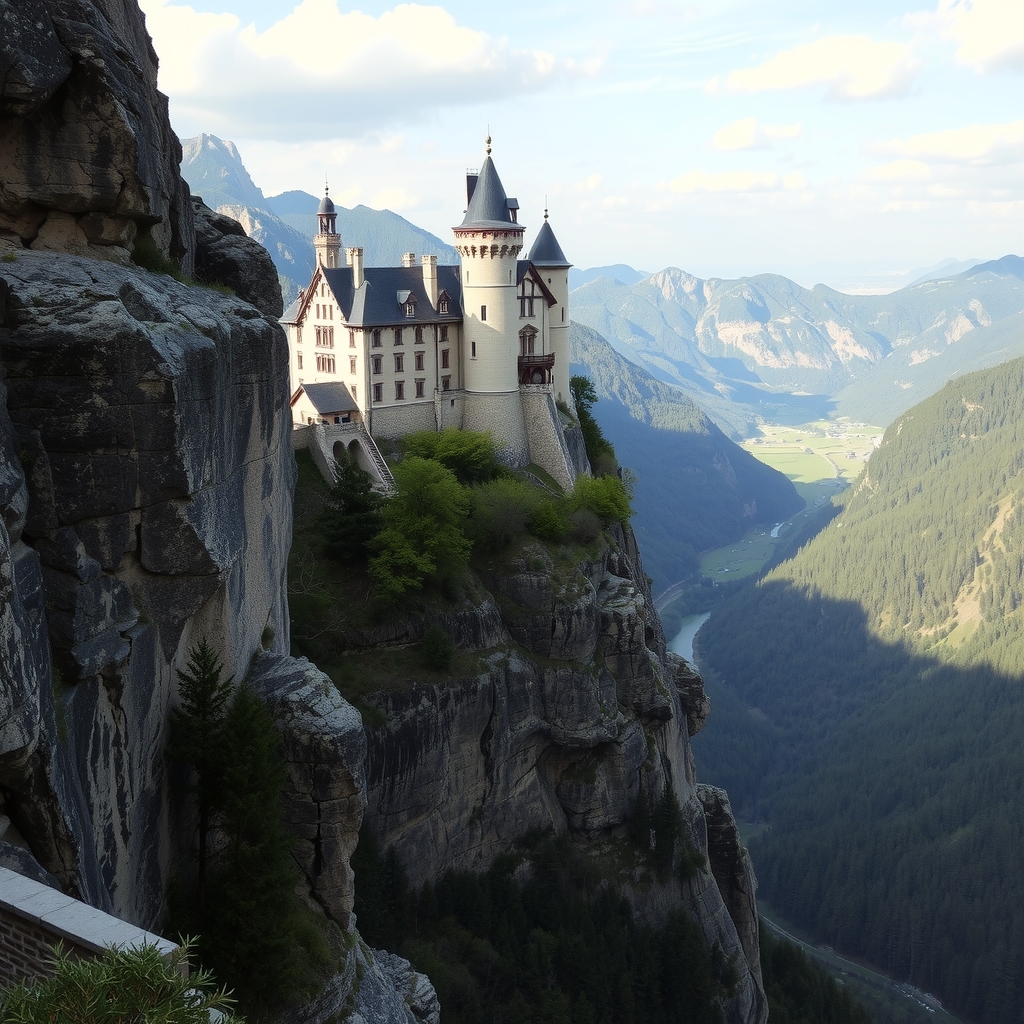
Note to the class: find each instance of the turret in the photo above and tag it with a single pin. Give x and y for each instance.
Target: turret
(489, 241)
(327, 241)
(547, 256)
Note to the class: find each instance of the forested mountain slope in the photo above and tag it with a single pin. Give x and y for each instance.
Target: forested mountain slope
(881, 668)
(695, 489)
(768, 347)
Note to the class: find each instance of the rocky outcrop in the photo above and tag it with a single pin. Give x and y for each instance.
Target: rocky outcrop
(227, 256)
(88, 161)
(577, 713)
(323, 744)
(147, 490)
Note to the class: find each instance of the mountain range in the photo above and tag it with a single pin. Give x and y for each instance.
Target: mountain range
(285, 224)
(765, 348)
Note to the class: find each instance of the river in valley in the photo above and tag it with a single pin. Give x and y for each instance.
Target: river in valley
(682, 642)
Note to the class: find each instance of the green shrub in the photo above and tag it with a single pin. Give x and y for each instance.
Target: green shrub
(122, 986)
(469, 454)
(438, 648)
(584, 396)
(586, 527)
(501, 511)
(548, 520)
(605, 496)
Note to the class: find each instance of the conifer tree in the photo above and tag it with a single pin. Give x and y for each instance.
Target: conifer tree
(197, 741)
(352, 517)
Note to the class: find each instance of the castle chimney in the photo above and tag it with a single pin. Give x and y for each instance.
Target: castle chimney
(408, 259)
(354, 258)
(430, 279)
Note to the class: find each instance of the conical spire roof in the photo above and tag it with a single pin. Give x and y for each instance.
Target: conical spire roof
(546, 251)
(489, 206)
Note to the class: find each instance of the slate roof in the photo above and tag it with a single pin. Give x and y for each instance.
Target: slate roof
(326, 205)
(546, 251)
(291, 314)
(379, 301)
(489, 207)
(330, 397)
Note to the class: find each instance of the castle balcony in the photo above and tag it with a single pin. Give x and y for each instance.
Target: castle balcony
(536, 369)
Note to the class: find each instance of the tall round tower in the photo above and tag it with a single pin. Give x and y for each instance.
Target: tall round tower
(547, 256)
(327, 241)
(489, 241)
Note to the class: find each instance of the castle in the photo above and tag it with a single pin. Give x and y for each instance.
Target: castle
(479, 346)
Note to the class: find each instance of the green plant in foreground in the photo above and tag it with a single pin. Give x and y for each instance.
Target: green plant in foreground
(123, 986)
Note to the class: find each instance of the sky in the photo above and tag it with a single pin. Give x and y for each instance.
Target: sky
(844, 142)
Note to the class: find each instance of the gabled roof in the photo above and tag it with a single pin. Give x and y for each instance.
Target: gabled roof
(526, 268)
(546, 251)
(376, 302)
(489, 206)
(330, 397)
(291, 314)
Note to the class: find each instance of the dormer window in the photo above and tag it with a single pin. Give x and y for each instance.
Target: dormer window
(410, 309)
(442, 302)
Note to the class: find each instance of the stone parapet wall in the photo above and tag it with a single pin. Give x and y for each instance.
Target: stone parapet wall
(393, 421)
(34, 918)
(547, 445)
(502, 414)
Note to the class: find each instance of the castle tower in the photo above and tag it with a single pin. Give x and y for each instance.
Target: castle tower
(547, 256)
(327, 241)
(489, 241)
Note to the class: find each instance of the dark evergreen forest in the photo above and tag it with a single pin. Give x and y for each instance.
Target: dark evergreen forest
(870, 689)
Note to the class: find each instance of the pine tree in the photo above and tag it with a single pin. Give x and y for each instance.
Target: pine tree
(352, 517)
(249, 938)
(196, 741)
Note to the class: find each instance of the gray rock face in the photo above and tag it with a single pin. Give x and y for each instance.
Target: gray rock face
(146, 501)
(226, 255)
(577, 714)
(324, 746)
(88, 161)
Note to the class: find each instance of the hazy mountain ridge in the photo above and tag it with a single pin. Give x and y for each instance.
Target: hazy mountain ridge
(695, 489)
(285, 224)
(763, 342)
(882, 667)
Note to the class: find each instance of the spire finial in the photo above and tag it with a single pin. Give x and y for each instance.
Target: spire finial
(545, 207)
(488, 145)
(327, 188)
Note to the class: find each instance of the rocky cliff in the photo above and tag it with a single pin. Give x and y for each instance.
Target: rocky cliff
(576, 711)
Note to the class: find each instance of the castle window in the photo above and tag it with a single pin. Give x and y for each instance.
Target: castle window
(446, 383)
(563, 314)
(330, 312)
(473, 349)
(377, 364)
(378, 392)
(399, 390)
(444, 358)
(354, 398)
(419, 360)
(526, 305)
(399, 362)
(351, 364)
(410, 309)
(483, 312)
(398, 335)
(376, 338)
(324, 363)
(419, 388)
(319, 331)
(527, 341)
(442, 305)
(351, 339)
(419, 335)
(299, 354)
(318, 311)
(444, 332)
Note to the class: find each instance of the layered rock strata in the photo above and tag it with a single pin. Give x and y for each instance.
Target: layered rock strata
(576, 712)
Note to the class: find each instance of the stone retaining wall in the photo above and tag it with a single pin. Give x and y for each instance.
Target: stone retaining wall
(34, 918)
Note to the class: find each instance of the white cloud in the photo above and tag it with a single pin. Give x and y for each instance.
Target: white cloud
(989, 33)
(735, 181)
(899, 171)
(852, 67)
(976, 144)
(320, 73)
(748, 134)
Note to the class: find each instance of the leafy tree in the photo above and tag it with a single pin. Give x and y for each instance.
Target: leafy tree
(605, 496)
(584, 396)
(249, 938)
(197, 728)
(423, 535)
(352, 516)
(469, 454)
(122, 986)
